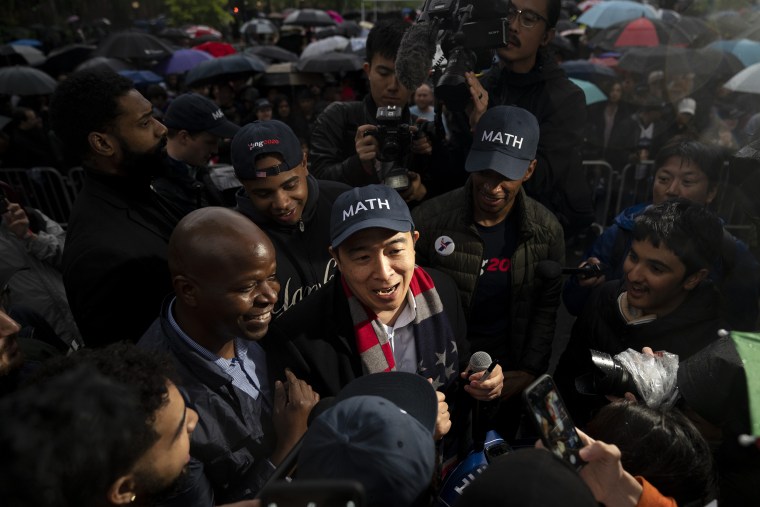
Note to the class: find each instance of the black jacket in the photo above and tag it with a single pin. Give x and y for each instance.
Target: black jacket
(229, 440)
(688, 329)
(187, 188)
(115, 266)
(559, 182)
(316, 338)
(303, 261)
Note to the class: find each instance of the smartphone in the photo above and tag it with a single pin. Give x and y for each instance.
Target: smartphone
(552, 420)
(313, 493)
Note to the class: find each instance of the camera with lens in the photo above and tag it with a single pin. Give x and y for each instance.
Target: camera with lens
(394, 137)
(467, 34)
(609, 377)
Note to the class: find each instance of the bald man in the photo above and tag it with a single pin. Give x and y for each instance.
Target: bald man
(223, 273)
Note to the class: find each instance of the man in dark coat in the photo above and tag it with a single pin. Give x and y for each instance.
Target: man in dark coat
(223, 270)
(114, 265)
(289, 204)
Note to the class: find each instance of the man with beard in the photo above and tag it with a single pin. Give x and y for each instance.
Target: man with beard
(114, 267)
(527, 76)
(489, 237)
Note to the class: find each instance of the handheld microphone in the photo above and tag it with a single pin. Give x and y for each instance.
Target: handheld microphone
(550, 270)
(415, 55)
(479, 361)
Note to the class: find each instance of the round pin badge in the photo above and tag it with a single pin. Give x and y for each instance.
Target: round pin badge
(444, 245)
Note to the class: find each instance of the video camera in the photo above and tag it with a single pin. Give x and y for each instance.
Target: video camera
(394, 137)
(466, 38)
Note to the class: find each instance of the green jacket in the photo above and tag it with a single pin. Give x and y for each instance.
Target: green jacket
(534, 301)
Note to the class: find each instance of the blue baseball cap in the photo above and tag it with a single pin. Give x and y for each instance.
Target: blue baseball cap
(365, 207)
(505, 141)
(261, 138)
(195, 113)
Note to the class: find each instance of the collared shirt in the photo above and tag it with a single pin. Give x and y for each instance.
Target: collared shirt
(401, 337)
(247, 368)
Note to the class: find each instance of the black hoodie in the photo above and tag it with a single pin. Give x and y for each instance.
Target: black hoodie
(303, 261)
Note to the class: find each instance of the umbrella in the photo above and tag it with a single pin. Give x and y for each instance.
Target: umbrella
(181, 61)
(133, 45)
(11, 54)
(334, 43)
(66, 58)
(198, 31)
(173, 34)
(748, 347)
(216, 49)
(747, 81)
(639, 32)
(258, 26)
(330, 62)
(335, 16)
(273, 53)
(22, 80)
(102, 62)
(309, 17)
(587, 71)
(697, 30)
(286, 74)
(706, 62)
(26, 42)
(729, 24)
(590, 90)
(587, 4)
(748, 51)
(141, 77)
(225, 68)
(605, 14)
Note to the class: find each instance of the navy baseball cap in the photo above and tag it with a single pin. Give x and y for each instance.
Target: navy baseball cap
(505, 141)
(195, 113)
(365, 207)
(261, 138)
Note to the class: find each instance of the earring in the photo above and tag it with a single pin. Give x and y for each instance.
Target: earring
(132, 500)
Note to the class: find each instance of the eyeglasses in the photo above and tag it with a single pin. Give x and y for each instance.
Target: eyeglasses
(528, 18)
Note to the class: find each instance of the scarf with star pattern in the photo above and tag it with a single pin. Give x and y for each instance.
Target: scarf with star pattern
(433, 337)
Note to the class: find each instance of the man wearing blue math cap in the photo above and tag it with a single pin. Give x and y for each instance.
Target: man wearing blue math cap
(489, 236)
(381, 312)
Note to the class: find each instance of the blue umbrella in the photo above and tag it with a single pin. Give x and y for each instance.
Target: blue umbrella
(590, 90)
(606, 14)
(182, 61)
(748, 51)
(140, 77)
(27, 42)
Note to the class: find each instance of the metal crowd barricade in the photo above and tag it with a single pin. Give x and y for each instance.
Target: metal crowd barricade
(635, 184)
(601, 178)
(43, 188)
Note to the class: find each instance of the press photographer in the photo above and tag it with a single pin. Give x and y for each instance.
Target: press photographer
(349, 144)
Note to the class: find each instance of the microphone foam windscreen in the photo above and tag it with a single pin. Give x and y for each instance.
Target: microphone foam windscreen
(415, 56)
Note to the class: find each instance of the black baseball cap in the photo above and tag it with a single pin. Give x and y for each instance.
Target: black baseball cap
(195, 113)
(505, 141)
(263, 104)
(364, 207)
(260, 138)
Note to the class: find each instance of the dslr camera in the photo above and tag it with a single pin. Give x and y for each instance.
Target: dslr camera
(394, 138)
(609, 377)
(466, 36)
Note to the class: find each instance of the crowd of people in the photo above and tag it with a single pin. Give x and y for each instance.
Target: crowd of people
(186, 343)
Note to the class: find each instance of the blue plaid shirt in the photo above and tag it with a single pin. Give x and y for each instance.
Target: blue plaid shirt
(247, 368)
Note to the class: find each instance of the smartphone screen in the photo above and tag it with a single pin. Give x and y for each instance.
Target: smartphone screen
(308, 493)
(552, 420)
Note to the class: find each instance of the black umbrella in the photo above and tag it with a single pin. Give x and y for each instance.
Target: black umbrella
(705, 62)
(133, 45)
(102, 62)
(22, 80)
(259, 26)
(286, 74)
(66, 58)
(272, 53)
(587, 71)
(330, 62)
(309, 17)
(14, 54)
(225, 68)
(697, 30)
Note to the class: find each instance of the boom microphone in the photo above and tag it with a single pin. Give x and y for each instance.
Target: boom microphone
(550, 270)
(415, 55)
